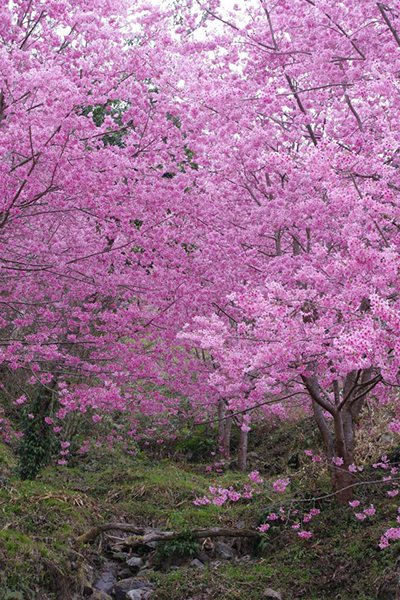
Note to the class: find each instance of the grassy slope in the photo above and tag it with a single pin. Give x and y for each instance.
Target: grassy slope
(39, 521)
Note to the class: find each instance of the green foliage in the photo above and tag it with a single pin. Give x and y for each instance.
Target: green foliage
(39, 441)
(182, 546)
(115, 109)
(196, 446)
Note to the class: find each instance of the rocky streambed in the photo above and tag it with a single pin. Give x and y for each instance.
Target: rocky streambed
(123, 574)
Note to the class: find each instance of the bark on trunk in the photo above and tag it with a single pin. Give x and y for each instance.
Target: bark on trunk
(221, 422)
(226, 443)
(242, 450)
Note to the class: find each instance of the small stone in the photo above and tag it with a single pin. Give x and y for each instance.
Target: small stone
(196, 564)
(124, 573)
(134, 563)
(270, 593)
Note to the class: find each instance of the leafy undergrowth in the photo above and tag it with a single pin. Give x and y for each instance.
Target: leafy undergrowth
(40, 521)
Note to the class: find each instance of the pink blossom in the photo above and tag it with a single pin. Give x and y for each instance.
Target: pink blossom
(20, 400)
(370, 511)
(280, 485)
(304, 534)
(255, 476)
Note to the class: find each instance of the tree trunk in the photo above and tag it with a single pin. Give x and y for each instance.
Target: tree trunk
(343, 479)
(344, 406)
(226, 442)
(221, 422)
(242, 450)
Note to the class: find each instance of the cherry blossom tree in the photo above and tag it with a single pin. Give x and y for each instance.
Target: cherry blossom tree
(303, 136)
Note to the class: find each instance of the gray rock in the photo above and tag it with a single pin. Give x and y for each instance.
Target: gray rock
(223, 551)
(124, 573)
(270, 593)
(203, 556)
(125, 586)
(196, 564)
(134, 563)
(107, 577)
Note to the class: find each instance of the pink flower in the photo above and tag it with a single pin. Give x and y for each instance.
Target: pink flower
(234, 496)
(264, 527)
(62, 462)
(280, 485)
(65, 444)
(31, 416)
(338, 461)
(370, 511)
(255, 476)
(201, 501)
(393, 493)
(360, 516)
(48, 421)
(20, 400)
(304, 534)
(354, 503)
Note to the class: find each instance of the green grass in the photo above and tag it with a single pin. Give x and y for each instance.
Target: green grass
(40, 521)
